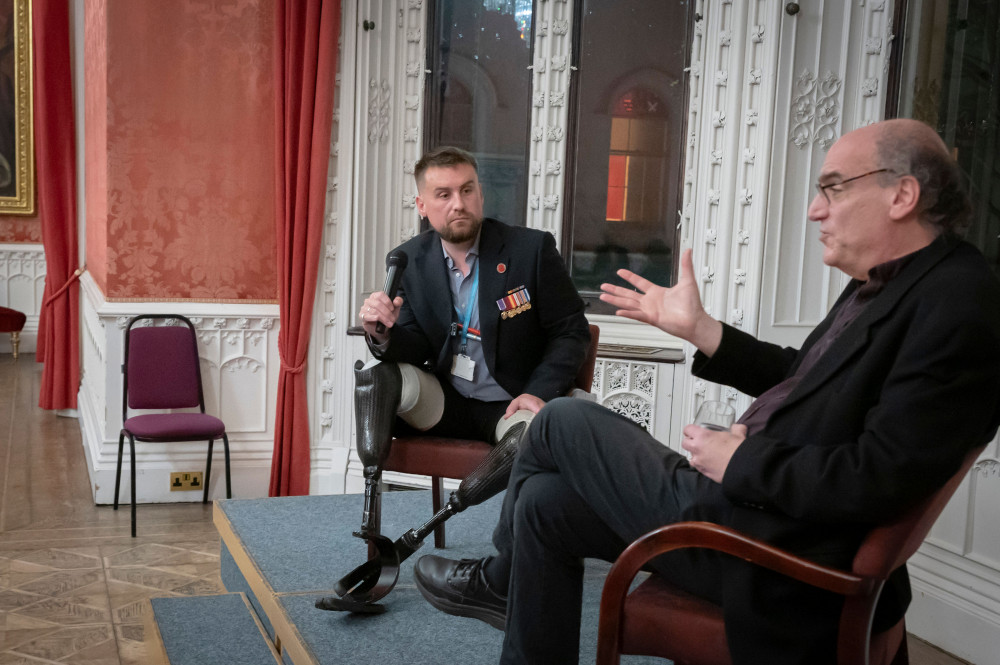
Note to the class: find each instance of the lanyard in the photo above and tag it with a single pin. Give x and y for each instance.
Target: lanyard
(470, 304)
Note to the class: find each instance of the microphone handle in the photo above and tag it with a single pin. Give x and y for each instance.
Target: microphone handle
(392, 278)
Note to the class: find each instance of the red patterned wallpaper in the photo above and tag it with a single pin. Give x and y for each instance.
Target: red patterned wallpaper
(95, 108)
(190, 150)
(15, 228)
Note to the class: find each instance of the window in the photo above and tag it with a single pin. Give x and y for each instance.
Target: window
(628, 112)
(949, 77)
(625, 137)
(478, 93)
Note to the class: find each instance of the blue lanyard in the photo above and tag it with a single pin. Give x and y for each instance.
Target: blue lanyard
(470, 304)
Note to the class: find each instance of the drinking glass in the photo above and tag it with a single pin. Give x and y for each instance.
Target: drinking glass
(715, 415)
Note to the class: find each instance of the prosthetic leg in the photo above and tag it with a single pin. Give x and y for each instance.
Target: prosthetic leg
(377, 391)
(369, 582)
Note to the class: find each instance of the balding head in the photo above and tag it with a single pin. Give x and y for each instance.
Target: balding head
(910, 147)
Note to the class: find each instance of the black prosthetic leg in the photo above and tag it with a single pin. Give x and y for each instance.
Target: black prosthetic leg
(366, 583)
(377, 393)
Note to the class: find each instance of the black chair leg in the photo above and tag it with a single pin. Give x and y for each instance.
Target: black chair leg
(229, 482)
(118, 471)
(131, 452)
(208, 471)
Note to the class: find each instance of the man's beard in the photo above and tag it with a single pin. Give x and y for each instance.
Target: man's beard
(457, 236)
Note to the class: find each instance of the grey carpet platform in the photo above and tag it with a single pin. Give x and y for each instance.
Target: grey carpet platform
(284, 553)
(220, 629)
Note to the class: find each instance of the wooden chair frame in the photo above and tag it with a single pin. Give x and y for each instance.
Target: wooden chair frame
(884, 549)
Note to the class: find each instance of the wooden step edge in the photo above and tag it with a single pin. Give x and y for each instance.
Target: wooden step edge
(286, 636)
(156, 649)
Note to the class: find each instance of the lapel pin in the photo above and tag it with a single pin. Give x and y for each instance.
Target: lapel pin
(501, 268)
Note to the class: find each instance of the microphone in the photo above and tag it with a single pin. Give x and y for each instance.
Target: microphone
(395, 264)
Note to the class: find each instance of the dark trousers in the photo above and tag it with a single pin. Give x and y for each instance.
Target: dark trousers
(587, 482)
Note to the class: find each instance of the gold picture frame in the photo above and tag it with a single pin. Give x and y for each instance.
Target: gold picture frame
(17, 138)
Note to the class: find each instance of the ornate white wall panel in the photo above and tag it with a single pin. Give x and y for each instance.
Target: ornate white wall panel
(377, 140)
(237, 346)
(22, 283)
(956, 572)
(733, 82)
(388, 81)
(551, 73)
(831, 79)
(628, 388)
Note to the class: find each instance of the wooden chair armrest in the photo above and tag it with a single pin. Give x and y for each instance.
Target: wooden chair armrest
(715, 537)
(724, 539)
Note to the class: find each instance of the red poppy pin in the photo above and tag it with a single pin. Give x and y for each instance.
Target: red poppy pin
(501, 268)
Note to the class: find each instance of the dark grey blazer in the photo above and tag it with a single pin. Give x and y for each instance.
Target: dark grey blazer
(538, 352)
(883, 419)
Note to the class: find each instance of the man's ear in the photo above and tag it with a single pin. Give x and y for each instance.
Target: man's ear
(905, 197)
(420, 206)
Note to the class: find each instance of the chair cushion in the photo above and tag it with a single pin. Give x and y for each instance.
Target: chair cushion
(11, 320)
(175, 427)
(662, 620)
(436, 456)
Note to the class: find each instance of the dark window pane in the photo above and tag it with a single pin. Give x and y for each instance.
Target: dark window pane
(629, 111)
(950, 79)
(478, 93)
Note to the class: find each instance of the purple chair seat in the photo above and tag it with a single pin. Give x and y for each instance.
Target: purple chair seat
(175, 427)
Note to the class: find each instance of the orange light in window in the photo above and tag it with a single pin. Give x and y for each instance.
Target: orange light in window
(617, 183)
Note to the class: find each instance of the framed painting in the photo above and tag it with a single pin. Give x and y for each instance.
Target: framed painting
(17, 149)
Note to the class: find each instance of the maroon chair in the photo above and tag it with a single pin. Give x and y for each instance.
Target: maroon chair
(658, 619)
(161, 372)
(442, 457)
(12, 321)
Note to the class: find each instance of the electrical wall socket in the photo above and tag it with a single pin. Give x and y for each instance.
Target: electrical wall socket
(183, 481)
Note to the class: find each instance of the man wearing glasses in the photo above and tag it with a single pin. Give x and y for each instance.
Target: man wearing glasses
(872, 414)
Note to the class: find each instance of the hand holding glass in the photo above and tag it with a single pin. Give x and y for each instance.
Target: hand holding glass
(715, 415)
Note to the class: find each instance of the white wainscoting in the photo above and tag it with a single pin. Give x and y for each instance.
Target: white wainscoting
(956, 572)
(237, 345)
(22, 282)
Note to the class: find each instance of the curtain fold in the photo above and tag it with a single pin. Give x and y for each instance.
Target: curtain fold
(305, 65)
(55, 159)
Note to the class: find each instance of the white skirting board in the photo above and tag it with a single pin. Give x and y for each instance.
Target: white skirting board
(956, 605)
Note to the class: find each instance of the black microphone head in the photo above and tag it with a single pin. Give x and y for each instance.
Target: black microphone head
(396, 258)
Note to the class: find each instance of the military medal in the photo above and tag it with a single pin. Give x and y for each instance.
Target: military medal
(516, 301)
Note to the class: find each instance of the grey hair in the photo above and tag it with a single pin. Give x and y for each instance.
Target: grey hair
(944, 199)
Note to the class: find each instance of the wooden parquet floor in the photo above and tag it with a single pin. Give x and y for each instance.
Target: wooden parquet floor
(72, 580)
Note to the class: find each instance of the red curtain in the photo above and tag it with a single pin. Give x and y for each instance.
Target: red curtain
(305, 66)
(55, 160)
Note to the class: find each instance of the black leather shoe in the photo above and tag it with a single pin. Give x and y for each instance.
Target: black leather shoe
(459, 588)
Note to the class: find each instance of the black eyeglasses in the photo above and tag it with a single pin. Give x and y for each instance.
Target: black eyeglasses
(822, 188)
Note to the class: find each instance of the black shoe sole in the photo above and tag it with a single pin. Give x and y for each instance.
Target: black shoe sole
(492, 617)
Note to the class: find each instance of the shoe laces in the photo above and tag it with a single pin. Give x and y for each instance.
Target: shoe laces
(471, 572)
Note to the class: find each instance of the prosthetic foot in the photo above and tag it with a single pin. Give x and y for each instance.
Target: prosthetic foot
(368, 582)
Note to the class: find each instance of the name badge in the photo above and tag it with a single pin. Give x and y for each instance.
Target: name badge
(463, 367)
